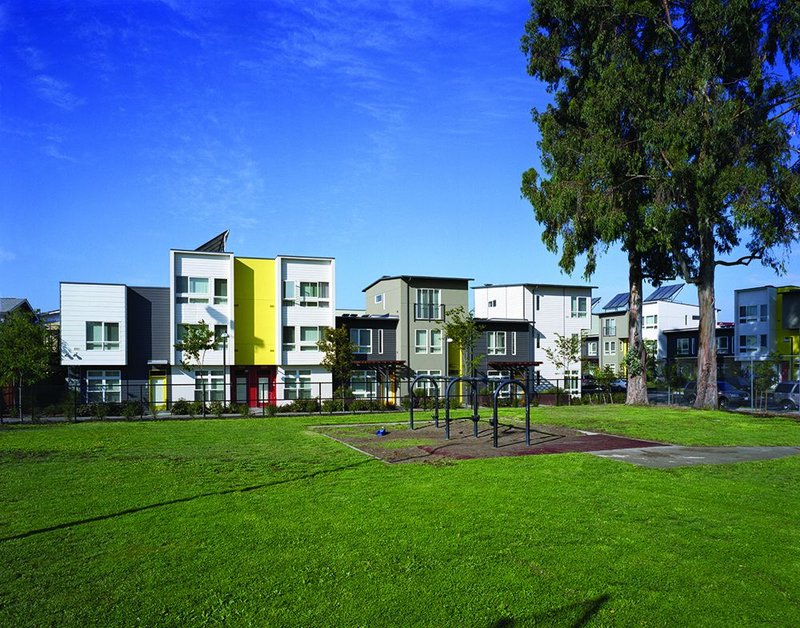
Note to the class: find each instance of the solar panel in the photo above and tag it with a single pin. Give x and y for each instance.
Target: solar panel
(665, 293)
(619, 301)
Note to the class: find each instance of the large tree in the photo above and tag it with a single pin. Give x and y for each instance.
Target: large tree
(338, 359)
(601, 61)
(724, 171)
(24, 351)
(670, 134)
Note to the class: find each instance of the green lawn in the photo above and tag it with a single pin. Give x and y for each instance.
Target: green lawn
(263, 522)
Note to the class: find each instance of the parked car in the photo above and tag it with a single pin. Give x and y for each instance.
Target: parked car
(728, 396)
(787, 395)
(589, 385)
(619, 386)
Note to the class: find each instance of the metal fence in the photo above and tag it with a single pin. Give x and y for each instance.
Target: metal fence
(138, 401)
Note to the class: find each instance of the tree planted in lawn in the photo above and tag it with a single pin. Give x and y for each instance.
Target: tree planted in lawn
(338, 352)
(197, 339)
(565, 352)
(24, 351)
(462, 328)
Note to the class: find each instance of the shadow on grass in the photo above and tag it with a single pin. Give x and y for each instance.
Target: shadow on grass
(180, 500)
(572, 615)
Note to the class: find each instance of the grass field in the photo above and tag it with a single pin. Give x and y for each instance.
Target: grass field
(263, 522)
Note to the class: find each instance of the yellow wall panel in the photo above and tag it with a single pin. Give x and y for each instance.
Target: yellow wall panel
(254, 313)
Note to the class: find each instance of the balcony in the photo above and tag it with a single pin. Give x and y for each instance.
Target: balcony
(428, 312)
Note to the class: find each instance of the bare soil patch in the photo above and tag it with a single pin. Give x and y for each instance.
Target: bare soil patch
(426, 443)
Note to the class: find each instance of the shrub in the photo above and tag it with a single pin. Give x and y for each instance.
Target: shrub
(132, 409)
(361, 405)
(271, 409)
(242, 409)
(99, 411)
(181, 406)
(303, 405)
(217, 408)
(196, 408)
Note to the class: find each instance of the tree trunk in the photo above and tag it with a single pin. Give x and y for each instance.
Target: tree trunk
(706, 344)
(20, 399)
(637, 374)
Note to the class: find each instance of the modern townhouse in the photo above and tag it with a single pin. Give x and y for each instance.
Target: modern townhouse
(421, 304)
(507, 348)
(660, 311)
(266, 314)
(681, 358)
(376, 370)
(552, 309)
(768, 324)
(590, 342)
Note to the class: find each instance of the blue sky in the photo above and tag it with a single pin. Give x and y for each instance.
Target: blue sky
(391, 136)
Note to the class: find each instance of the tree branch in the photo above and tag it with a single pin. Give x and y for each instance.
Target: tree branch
(742, 261)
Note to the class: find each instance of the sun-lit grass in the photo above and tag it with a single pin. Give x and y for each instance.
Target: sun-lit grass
(266, 522)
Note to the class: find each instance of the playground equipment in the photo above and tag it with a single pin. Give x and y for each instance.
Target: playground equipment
(473, 382)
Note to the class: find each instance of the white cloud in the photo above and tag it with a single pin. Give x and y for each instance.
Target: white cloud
(56, 92)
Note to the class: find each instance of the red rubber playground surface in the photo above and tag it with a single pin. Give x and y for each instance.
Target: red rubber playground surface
(427, 443)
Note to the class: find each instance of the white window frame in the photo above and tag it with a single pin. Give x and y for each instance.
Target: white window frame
(723, 346)
(297, 384)
(214, 385)
(427, 385)
(609, 327)
(289, 293)
(191, 294)
(572, 382)
(429, 304)
(307, 345)
(103, 386)
(364, 384)
(591, 348)
(610, 347)
(492, 303)
(317, 300)
(219, 298)
(380, 341)
(683, 346)
(435, 347)
(513, 343)
(651, 321)
(579, 307)
(362, 338)
(104, 344)
(420, 347)
(746, 345)
(496, 343)
(497, 377)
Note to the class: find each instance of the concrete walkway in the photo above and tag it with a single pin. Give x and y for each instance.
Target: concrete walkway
(669, 456)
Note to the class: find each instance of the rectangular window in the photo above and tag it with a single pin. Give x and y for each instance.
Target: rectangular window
(748, 344)
(493, 303)
(220, 291)
(191, 289)
(513, 343)
(683, 346)
(748, 313)
(428, 305)
(610, 347)
(378, 298)
(426, 386)
(297, 384)
(763, 342)
(579, 307)
(102, 336)
(496, 343)
(436, 341)
(380, 341)
(495, 377)
(289, 339)
(362, 338)
(103, 386)
(591, 348)
(538, 341)
(610, 327)
(309, 336)
(722, 344)
(209, 385)
(537, 303)
(571, 382)
(763, 313)
(289, 292)
(651, 322)
(314, 294)
(364, 384)
(421, 341)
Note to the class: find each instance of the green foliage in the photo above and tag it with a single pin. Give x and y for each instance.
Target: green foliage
(180, 407)
(565, 353)
(461, 327)
(241, 409)
(99, 411)
(338, 350)
(132, 409)
(24, 351)
(197, 339)
(216, 408)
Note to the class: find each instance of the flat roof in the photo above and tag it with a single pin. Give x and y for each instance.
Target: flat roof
(533, 285)
(409, 277)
